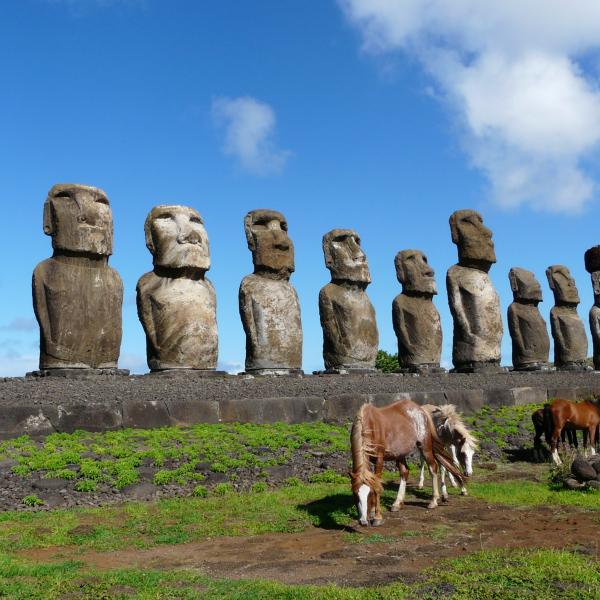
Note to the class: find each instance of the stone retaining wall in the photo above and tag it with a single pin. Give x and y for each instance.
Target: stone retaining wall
(38, 406)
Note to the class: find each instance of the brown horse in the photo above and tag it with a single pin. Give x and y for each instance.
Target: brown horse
(541, 419)
(576, 415)
(391, 433)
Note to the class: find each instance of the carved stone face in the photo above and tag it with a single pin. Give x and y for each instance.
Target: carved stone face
(596, 282)
(592, 259)
(473, 238)
(267, 235)
(344, 256)
(524, 285)
(177, 238)
(562, 284)
(414, 273)
(79, 219)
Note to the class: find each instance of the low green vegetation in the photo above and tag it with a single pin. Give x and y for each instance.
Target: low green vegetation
(480, 576)
(386, 362)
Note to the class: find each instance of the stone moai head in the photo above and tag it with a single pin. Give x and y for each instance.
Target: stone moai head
(176, 237)
(267, 235)
(414, 273)
(79, 219)
(525, 287)
(473, 238)
(592, 266)
(344, 256)
(562, 285)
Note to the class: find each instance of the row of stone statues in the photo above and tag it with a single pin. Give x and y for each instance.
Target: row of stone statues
(78, 298)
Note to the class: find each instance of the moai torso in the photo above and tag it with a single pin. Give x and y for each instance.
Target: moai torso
(568, 332)
(350, 336)
(475, 308)
(270, 313)
(77, 297)
(176, 303)
(416, 320)
(530, 340)
(269, 306)
(592, 266)
(78, 306)
(419, 330)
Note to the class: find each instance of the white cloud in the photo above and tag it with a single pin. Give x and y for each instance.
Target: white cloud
(20, 324)
(511, 71)
(249, 127)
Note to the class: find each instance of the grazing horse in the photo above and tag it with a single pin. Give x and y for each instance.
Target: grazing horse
(541, 419)
(576, 415)
(456, 438)
(391, 433)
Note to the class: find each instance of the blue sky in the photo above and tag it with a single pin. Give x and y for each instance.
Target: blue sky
(377, 115)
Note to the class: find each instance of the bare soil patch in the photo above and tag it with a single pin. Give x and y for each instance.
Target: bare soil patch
(408, 542)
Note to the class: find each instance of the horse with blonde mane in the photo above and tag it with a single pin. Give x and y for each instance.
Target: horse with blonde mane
(457, 439)
(392, 433)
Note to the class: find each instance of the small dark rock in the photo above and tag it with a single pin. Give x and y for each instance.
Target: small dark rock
(572, 484)
(7, 464)
(582, 469)
(594, 484)
(140, 491)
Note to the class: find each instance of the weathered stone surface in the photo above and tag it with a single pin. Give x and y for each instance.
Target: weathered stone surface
(474, 303)
(350, 336)
(77, 297)
(140, 491)
(145, 414)
(467, 401)
(93, 416)
(529, 395)
(592, 265)
(416, 320)
(568, 332)
(572, 484)
(582, 469)
(528, 331)
(269, 306)
(188, 412)
(176, 302)
(272, 410)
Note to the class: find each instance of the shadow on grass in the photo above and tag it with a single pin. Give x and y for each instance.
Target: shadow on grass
(332, 512)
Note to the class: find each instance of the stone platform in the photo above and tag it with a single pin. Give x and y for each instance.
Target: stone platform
(39, 406)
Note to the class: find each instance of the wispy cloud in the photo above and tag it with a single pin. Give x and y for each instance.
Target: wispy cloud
(249, 130)
(511, 71)
(20, 324)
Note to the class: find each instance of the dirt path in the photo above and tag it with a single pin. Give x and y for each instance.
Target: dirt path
(407, 542)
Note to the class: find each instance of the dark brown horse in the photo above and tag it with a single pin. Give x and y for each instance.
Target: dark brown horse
(391, 433)
(576, 415)
(542, 421)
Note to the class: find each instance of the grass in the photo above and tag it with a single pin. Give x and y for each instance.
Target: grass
(480, 576)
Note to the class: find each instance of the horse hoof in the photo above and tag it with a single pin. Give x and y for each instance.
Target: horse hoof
(420, 487)
(364, 523)
(445, 499)
(432, 505)
(395, 507)
(464, 493)
(377, 522)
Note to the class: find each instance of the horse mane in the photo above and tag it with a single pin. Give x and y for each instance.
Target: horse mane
(449, 413)
(362, 449)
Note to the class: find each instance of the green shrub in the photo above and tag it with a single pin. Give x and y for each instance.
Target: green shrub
(85, 485)
(32, 500)
(200, 491)
(386, 362)
(221, 489)
(328, 476)
(259, 486)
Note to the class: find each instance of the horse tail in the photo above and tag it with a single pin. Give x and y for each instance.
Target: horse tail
(440, 454)
(362, 450)
(548, 423)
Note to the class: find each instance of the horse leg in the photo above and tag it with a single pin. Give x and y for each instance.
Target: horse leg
(554, 445)
(592, 439)
(421, 482)
(444, 489)
(377, 517)
(403, 468)
(433, 469)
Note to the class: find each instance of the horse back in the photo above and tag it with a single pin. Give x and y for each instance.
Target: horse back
(404, 424)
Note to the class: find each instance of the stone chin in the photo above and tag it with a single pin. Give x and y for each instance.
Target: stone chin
(183, 256)
(90, 240)
(357, 272)
(425, 285)
(484, 252)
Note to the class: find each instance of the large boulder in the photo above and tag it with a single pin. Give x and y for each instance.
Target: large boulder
(582, 469)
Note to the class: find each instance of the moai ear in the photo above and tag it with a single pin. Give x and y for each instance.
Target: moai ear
(550, 278)
(512, 277)
(248, 229)
(327, 250)
(453, 228)
(48, 217)
(148, 232)
(400, 273)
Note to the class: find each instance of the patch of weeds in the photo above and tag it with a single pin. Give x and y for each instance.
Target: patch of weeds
(200, 491)
(259, 486)
(328, 476)
(86, 485)
(32, 500)
(373, 538)
(292, 481)
(221, 489)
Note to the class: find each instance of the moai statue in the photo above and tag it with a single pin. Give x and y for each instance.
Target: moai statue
(474, 302)
(77, 297)
(350, 336)
(592, 266)
(568, 332)
(530, 341)
(269, 305)
(176, 302)
(415, 317)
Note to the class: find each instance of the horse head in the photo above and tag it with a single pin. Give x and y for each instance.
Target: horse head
(466, 447)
